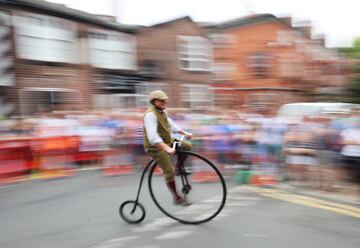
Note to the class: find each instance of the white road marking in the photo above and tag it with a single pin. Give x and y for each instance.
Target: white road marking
(195, 209)
(160, 223)
(147, 246)
(239, 204)
(240, 189)
(122, 239)
(221, 216)
(116, 242)
(157, 224)
(212, 201)
(242, 198)
(174, 235)
(255, 235)
(110, 246)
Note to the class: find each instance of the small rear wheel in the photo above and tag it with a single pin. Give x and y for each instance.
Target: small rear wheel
(132, 212)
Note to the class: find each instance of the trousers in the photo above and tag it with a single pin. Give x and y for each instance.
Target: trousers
(164, 159)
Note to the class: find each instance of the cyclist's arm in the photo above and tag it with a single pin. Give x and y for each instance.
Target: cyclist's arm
(166, 148)
(150, 123)
(188, 135)
(176, 129)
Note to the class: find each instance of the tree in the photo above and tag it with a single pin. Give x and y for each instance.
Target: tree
(353, 87)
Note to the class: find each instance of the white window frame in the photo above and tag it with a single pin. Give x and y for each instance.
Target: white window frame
(188, 52)
(196, 99)
(114, 101)
(224, 71)
(264, 98)
(260, 63)
(115, 48)
(7, 78)
(44, 32)
(144, 89)
(219, 40)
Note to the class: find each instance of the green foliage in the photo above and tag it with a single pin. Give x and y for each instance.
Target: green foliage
(353, 88)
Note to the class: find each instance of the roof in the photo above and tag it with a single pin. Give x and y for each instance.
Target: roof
(183, 18)
(172, 21)
(68, 13)
(247, 20)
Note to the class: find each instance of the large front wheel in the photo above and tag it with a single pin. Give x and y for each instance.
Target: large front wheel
(205, 188)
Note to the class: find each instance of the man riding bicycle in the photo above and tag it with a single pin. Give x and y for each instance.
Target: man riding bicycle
(158, 141)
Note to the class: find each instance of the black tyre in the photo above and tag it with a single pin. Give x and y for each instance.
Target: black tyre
(132, 213)
(205, 189)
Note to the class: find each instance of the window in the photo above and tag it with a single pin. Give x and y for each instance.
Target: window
(224, 71)
(6, 62)
(44, 38)
(260, 99)
(194, 53)
(105, 101)
(112, 50)
(260, 63)
(144, 89)
(197, 96)
(285, 37)
(222, 40)
(37, 100)
(291, 67)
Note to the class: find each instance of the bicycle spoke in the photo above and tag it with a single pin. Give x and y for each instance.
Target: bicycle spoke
(204, 184)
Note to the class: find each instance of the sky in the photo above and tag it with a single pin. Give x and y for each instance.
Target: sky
(338, 20)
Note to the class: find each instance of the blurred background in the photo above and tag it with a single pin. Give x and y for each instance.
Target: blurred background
(271, 98)
(259, 90)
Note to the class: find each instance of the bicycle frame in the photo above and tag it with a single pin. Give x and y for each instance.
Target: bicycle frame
(184, 179)
(141, 181)
(136, 205)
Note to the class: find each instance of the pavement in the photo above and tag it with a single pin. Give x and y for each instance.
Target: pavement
(82, 211)
(347, 197)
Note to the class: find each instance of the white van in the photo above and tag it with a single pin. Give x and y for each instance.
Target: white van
(301, 109)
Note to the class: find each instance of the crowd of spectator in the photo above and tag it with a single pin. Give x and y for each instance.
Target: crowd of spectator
(321, 152)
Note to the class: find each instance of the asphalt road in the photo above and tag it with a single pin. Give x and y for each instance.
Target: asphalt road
(82, 211)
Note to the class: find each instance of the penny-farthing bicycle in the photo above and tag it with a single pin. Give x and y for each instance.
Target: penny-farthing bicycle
(205, 188)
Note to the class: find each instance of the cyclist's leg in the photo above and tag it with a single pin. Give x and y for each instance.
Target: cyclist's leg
(185, 146)
(164, 161)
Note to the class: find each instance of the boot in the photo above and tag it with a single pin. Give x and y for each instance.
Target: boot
(178, 200)
(180, 165)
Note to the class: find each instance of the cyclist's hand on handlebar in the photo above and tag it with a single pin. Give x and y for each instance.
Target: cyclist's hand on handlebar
(189, 136)
(170, 150)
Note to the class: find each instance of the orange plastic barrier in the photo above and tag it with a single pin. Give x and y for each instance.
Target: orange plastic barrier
(263, 180)
(15, 159)
(86, 156)
(203, 172)
(53, 156)
(117, 162)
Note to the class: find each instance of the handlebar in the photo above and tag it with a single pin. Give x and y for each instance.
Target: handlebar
(176, 145)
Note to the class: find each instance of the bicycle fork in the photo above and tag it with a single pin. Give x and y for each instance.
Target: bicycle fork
(140, 185)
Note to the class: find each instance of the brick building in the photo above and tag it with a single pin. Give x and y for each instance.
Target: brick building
(176, 56)
(53, 57)
(263, 61)
(61, 58)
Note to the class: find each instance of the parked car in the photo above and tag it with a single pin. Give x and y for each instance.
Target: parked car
(301, 109)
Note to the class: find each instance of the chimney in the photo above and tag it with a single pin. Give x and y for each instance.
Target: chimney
(304, 27)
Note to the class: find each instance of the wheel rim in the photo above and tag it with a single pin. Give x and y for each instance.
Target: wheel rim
(130, 216)
(207, 192)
